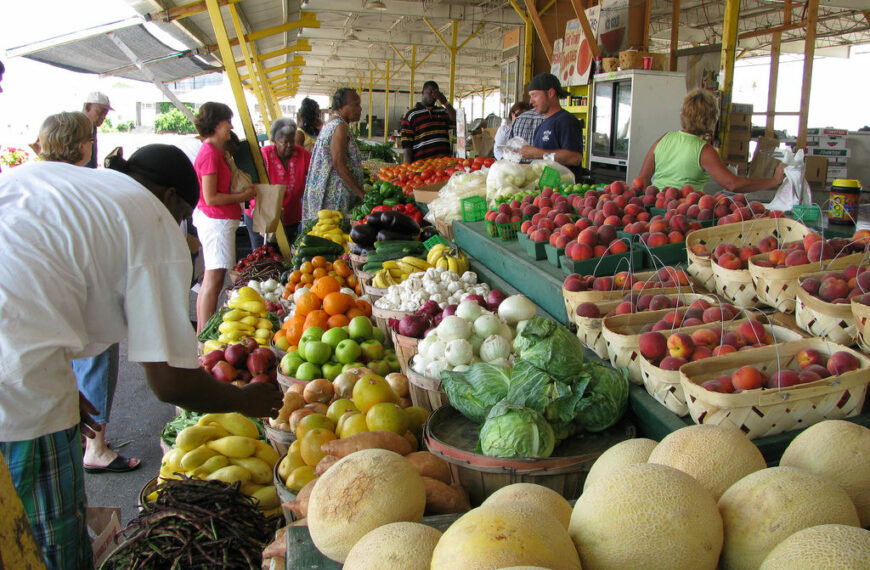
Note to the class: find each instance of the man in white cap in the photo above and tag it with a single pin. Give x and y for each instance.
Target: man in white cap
(96, 107)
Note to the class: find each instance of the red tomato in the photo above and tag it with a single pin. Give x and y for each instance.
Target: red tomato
(488, 162)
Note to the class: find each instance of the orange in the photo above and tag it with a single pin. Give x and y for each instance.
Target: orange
(317, 318)
(319, 272)
(306, 267)
(342, 268)
(307, 278)
(364, 306)
(337, 303)
(295, 330)
(318, 261)
(324, 286)
(352, 281)
(328, 266)
(295, 276)
(337, 321)
(306, 303)
(354, 312)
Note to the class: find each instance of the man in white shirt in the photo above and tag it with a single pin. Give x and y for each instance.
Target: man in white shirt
(90, 258)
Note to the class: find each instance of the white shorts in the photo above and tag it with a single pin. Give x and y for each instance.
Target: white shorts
(218, 239)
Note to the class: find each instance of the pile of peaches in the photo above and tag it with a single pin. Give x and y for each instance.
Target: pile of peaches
(672, 351)
(839, 287)
(635, 303)
(624, 281)
(662, 230)
(699, 206)
(812, 366)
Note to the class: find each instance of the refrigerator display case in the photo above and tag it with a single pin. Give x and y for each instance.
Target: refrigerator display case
(630, 111)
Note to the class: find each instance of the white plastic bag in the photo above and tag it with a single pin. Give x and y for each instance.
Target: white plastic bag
(511, 149)
(794, 189)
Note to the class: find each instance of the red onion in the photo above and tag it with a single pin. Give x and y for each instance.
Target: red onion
(477, 299)
(413, 325)
(448, 310)
(494, 299)
(430, 308)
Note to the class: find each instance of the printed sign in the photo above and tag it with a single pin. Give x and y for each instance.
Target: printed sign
(612, 36)
(575, 64)
(555, 67)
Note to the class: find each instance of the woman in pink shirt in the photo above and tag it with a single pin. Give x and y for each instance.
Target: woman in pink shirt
(218, 211)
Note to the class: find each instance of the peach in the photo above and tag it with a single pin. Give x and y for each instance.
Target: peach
(767, 244)
(679, 223)
(748, 378)
(624, 308)
(811, 285)
(589, 310)
(807, 376)
(653, 346)
(747, 252)
(677, 276)
(602, 284)
(700, 353)
(724, 248)
(702, 304)
(691, 322)
(841, 362)
(723, 349)
(783, 379)
(662, 325)
(862, 281)
(819, 369)
(574, 282)
(699, 250)
(644, 301)
(753, 332)
(706, 202)
(713, 315)
(581, 251)
(721, 384)
(617, 246)
(810, 239)
(730, 261)
(692, 313)
(599, 251)
(680, 345)
(623, 279)
(541, 235)
(659, 302)
(796, 257)
(674, 318)
(733, 339)
(676, 237)
(819, 250)
(672, 362)
(706, 337)
(834, 288)
(777, 257)
(589, 236)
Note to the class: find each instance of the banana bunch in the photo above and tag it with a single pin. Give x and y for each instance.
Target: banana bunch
(453, 260)
(327, 227)
(395, 271)
(224, 447)
(247, 317)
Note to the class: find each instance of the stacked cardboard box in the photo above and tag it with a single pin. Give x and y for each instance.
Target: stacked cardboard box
(739, 134)
(827, 144)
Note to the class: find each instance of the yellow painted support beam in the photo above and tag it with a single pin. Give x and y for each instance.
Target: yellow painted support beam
(729, 52)
(528, 40)
(297, 61)
(306, 20)
(539, 29)
(387, 103)
(675, 33)
(452, 48)
(272, 100)
(184, 11)
(226, 51)
(580, 11)
(295, 72)
(812, 11)
(255, 83)
(283, 84)
(371, 88)
(301, 44)
(18, 547)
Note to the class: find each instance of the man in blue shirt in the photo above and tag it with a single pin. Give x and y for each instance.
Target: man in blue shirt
(560, 136)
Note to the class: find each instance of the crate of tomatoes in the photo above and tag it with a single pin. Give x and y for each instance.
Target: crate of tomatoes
(429, 171)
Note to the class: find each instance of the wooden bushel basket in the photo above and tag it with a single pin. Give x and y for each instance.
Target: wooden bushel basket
(279, 439)
(768, 412)
(284, 382)
(382, 318)
(777, 286)
(357, 261)
(406, 348)
(834, 323)
(748, 232)
(373, 292)
(452, 437)
(425, 392)
(665, 386)
(861, 312)
(285, 495)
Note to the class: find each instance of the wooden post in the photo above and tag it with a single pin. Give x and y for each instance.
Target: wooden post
(387, 103)
(580, 11)
(675, 34)
(729, 53)
(809, 54)
(773, 80)
(539, 28)
(371, 86)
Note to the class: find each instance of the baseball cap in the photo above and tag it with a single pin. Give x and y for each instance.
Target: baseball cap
(168, 166)
(544, 81)
(98, 98)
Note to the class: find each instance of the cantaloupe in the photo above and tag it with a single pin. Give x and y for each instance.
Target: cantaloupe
(544, 497)
(840, 451)
(716, 456)
(647, 516)
(624, 453)
(394, 546)
(824, 546)
(359, 493)
(766, 507)
(503, 535)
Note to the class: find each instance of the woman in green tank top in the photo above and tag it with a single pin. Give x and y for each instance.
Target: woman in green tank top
(684, 157)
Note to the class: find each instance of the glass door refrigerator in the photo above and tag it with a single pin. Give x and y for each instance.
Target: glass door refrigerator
(630, 111)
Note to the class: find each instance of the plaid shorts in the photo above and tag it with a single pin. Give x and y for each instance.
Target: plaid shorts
(48, 476)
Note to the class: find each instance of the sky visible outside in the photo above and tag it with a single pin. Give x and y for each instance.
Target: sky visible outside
(33, 90)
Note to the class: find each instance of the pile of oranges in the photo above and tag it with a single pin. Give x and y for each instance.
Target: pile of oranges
(318, 267)
(324, 306)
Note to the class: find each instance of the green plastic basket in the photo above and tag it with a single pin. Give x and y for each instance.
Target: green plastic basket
(808, 213)
(549, 177)
(508, 231)
(473, 208)
(433, 241)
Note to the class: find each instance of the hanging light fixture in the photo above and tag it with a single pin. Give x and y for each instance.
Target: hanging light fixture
(375, 5)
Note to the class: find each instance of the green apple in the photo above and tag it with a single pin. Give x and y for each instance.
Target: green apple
(351, 365)
(300, 348)
(331, 370)
(312, 333)
(372, 350)
(360, 328)
(317, 352)
(347, 350)
(307, 372)
(290, 362)
(379, 367)
(392, 361)
(378, 335)
(334, 336)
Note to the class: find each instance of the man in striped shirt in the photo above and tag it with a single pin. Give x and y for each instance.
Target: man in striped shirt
(426, 128)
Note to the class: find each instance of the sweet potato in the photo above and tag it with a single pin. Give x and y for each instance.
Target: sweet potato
(429, 465)
(443, 499)
(300, 522)
(325, 464)
(367, 440)
(299, 507)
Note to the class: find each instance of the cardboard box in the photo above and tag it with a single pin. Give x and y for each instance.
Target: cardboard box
(764, 165)
(483, 142)
(835, 172)
(740, 132)
(825, 141)
(738, 147)
(428, 193)
(741, 108)
(827, 131)
(830, 152)
(816, 169)
(741, 120)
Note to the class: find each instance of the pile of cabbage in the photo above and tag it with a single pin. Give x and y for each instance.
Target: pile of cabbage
(548, 395)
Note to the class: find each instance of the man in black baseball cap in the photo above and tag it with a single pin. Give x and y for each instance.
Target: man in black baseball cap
(559, 137)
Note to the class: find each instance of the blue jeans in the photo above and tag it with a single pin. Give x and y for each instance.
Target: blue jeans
(97, 377)
(48, 476)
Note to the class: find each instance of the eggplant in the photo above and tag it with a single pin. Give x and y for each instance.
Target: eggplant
(364, 235)
(398, 222)
(389, 235)
(428, 232)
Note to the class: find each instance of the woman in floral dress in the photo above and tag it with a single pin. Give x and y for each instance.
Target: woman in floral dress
(335, 177)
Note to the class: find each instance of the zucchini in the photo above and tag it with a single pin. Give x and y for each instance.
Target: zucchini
(380, 257)
(316, 241)
(372, 266)
(399, 245)
(312, 250)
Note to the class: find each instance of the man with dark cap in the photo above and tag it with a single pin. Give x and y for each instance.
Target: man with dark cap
(90, 258)
(559, 137)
